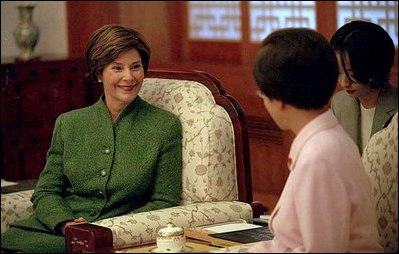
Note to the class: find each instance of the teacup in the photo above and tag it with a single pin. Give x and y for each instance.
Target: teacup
(170, 239)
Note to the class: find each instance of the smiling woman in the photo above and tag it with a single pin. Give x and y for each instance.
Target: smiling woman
(97, 151)
(122, 81)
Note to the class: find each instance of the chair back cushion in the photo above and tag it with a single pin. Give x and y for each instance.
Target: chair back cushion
(380, 159)
(209, 172)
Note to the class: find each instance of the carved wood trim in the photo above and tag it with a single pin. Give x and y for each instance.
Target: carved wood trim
(265, 129)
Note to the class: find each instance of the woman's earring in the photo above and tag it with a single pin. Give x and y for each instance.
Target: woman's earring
(99, 80)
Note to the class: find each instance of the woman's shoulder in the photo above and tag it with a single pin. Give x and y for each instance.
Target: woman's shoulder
(342, 101)
(341, 96)
(80, 113)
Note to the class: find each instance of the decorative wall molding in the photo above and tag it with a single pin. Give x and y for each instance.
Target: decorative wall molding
(265, 129)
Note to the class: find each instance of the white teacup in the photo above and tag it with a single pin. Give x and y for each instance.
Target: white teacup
(170, 239)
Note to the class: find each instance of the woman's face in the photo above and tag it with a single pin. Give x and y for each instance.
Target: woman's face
(353, 88)
(123, 79)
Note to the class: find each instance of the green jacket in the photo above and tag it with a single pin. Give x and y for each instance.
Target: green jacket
(97, 169)
(347, 111)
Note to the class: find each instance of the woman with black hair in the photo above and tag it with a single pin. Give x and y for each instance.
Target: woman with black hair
(365, 54)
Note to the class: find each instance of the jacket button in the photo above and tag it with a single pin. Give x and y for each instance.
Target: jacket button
(107, 151)
(101, 193)
(92, 212)
(103, 172)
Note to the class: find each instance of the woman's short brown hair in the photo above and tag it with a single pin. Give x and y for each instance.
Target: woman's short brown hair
(107, 43)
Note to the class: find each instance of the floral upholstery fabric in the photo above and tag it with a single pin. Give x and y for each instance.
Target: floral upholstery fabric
(141, 228)
(240, 248)
(15, 206)
(209, 193)
(380, 159)
(208, 138)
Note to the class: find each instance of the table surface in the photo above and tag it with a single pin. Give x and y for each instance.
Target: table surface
(197, 241)
(191, 247)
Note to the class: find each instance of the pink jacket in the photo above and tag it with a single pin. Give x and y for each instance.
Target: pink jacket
(326, 204)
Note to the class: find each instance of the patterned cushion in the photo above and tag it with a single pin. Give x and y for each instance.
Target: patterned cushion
(140, 228)
(15, 206)
(240, 248)
(380, 158)
(208, 138)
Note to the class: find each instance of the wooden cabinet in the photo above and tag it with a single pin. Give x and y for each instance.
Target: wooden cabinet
(33, 94)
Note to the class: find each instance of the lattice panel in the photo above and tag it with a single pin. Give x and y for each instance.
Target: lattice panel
(215, 20)
(267, 16)
(384, 13)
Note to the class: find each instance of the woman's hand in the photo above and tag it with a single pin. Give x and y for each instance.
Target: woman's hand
(74, 222)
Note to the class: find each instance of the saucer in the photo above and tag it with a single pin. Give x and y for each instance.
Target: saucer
(184, 249)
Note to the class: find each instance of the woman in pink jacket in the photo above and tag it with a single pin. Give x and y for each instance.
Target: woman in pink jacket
(326, 204)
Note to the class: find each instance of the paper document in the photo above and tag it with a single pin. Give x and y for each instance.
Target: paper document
(231, 227)
(5, 183)
(265, 217)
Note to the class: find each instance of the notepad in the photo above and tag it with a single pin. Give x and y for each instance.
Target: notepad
(5, 183)
(204, 233)
(231, 227)
(251, 235)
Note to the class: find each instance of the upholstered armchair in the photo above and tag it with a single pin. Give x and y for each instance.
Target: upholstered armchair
(380, 159)
(216, 176)
(15, 206)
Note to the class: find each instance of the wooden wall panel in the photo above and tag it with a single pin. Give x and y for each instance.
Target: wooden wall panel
(177, 29)
(326, 26)
(269, 147)
(216, 52)
(83, 18)
(151, 19)
(35, 93)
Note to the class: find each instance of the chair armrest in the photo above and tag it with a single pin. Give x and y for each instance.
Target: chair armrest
(141, 228)
(15, 206)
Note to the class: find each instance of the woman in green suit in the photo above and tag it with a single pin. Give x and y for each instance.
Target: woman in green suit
(120, 155)
(365, 53)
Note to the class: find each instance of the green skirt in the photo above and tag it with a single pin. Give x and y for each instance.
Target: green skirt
(24, 236)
